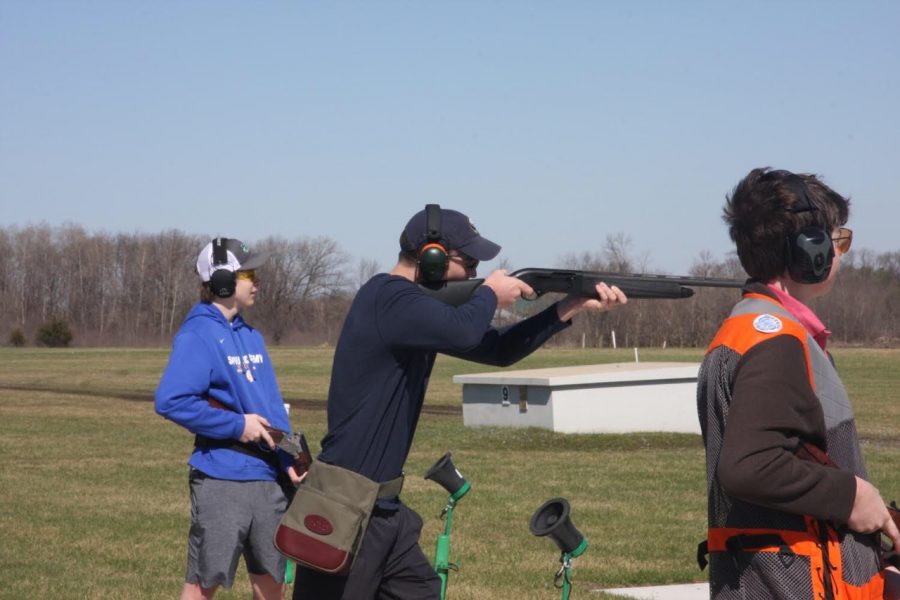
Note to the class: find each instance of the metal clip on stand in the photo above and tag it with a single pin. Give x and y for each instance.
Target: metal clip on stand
(445, 473)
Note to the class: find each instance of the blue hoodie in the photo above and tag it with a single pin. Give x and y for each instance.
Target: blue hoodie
(228, 362)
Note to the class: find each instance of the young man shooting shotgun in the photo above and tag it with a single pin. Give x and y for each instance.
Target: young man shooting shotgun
(768, 396)
(382, 362)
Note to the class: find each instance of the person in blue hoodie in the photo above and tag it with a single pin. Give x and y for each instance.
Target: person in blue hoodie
(219, 384)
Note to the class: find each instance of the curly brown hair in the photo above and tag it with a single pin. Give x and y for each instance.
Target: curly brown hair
(765, 209)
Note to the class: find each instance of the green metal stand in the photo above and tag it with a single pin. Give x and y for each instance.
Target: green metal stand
(289, 572)
(442, 562)
(566, 567)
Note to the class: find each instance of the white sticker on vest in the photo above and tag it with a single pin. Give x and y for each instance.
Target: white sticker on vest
(767, 323)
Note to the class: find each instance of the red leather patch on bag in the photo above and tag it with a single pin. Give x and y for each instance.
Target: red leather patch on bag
(311, 552)
(318, 524)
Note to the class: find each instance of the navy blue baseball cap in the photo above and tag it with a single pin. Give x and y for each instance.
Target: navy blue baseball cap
(456, 233)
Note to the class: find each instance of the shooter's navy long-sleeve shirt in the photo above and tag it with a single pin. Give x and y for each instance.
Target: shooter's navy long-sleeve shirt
(384, 357)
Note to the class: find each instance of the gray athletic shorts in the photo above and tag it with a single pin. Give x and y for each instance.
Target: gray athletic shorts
(228, 519)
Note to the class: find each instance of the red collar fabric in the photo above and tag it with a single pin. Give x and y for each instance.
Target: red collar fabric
(804, 314)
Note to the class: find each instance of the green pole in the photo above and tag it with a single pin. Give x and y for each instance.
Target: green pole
(566, 561)
(565, 569)
(289, 572)
(442, 553)
(442, 549)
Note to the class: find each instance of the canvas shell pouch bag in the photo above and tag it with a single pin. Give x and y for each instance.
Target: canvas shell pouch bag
(324, 526)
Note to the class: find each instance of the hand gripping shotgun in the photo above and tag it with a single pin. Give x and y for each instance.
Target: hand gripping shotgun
(814, 454)
(292, 443)
(295, 445)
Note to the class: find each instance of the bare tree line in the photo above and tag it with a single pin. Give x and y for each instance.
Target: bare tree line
(134, 289)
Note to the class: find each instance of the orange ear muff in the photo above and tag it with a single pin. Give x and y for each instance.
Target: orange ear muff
(433, 262)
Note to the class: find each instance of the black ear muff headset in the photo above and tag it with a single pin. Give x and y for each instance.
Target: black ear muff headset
(809, 251)
(222, 281)
(432, 257)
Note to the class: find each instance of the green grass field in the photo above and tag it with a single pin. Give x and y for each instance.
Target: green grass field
(94, 500)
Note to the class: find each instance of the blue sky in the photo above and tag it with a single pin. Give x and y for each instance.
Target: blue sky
(552, 124)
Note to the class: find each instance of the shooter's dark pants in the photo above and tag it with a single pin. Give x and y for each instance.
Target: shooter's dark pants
(390, 566)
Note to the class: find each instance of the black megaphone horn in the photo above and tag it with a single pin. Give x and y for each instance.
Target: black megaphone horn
(553, 520)
(448, 476)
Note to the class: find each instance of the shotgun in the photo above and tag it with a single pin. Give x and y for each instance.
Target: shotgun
(583, 283)
(814, 454)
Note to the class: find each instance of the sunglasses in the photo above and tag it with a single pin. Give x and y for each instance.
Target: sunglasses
(249, 275)
(842, 239)
(466, 261)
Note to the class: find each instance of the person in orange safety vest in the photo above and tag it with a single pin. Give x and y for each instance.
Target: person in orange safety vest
(782, 526)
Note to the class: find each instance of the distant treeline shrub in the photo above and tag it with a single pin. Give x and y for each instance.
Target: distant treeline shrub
(17, 338)
(55, 333)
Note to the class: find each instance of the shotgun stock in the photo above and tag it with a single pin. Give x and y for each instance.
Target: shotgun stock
(583, 283)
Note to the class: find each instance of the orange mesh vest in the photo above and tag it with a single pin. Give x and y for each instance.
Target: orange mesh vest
(756, 552)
